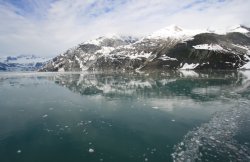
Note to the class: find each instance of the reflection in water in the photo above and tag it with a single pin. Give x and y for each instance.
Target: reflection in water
(213, 139)
(198, 86)
(162, 116)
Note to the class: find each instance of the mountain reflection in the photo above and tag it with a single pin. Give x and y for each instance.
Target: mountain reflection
(198, 86)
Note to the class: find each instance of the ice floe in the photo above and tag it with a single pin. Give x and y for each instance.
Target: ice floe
(19, 151)
(215, 138)
(91, 150)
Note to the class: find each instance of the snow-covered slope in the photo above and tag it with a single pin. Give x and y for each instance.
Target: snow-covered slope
(174, 32)
(239, 29)
(169, 48)
(22, 63)
(85, 55)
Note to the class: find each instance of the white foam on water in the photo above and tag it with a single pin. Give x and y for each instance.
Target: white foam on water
(215, 138)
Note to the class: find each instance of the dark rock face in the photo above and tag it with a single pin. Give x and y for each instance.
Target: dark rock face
(200, 51)
(232, 57)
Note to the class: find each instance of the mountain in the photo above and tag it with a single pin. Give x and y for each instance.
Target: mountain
(22, 63)
(169, 48)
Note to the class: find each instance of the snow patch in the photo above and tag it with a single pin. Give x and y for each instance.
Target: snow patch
(187, 66)
(61, 70)
(246, 66)
(235, 28)
(165, 58)
(82, 67)
(94, 41)
(243, 47)
(105, 50)
(212, 47)
(138, 55)
(189, 73)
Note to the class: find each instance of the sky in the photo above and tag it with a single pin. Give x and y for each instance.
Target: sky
(49, 27)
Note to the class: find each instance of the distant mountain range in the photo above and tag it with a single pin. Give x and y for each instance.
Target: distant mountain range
(22, 63)
(169, 48)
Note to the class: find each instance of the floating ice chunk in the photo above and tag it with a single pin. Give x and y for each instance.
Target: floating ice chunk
(173, 120)
(181, 153)
(220, 129)
(155, 107)
(45, 116)
(146, 159)
(91, 150)
(19, 151)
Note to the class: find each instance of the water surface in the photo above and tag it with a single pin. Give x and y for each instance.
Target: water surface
(121, 117)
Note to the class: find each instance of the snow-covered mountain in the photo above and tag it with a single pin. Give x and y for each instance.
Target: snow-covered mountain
(22, 63)
(169, 48)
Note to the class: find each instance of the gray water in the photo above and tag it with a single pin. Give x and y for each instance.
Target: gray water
(125, 117)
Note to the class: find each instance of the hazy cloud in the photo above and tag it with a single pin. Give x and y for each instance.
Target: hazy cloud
(49, 27)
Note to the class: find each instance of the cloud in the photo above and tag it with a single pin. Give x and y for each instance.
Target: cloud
(49, 27)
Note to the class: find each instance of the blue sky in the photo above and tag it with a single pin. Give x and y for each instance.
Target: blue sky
(49, 27)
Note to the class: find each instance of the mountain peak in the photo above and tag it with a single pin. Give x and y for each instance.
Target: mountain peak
(239, 28)
(111, 37)
(174, 31)
(174, 28)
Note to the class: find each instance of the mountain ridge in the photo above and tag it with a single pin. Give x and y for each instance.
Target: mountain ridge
(169, 48)
(22, 63)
